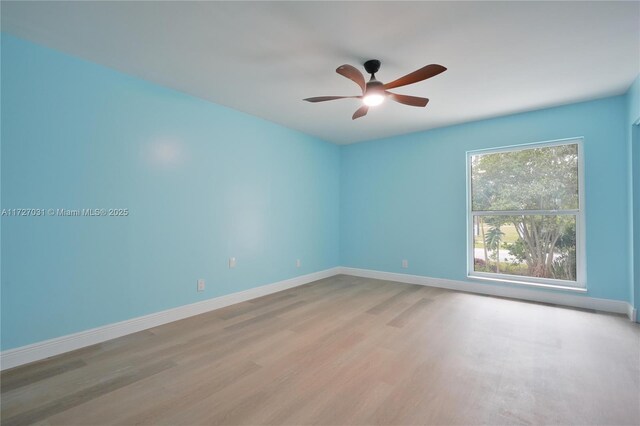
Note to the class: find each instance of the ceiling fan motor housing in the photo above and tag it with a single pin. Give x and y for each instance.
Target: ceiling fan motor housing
(374, 86)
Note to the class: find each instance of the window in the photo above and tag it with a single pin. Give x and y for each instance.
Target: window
(526, 214)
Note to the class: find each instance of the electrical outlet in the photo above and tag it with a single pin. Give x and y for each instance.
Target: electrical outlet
(405, 263)
(298, 264)
(201, 285)
(232, 262)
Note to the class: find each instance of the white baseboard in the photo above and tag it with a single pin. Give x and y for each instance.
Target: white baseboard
(47, 348)
(585, 302)
(632, 313)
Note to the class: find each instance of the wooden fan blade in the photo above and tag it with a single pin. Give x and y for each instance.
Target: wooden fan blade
(408, 100)
(328, 98)
(352, 74)
(416, 76)
(361, 112)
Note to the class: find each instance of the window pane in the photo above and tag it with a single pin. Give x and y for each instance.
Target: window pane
(528, 245)
(543, 178)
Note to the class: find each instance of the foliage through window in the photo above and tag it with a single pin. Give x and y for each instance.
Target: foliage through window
(525, 219)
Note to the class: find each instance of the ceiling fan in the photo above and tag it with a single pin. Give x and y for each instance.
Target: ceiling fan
(375, 92)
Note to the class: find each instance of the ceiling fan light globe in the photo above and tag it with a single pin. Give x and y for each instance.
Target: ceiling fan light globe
(374, 99)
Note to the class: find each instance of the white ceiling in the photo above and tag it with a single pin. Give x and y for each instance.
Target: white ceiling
(265, 57)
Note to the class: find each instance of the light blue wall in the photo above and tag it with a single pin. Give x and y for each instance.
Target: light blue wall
(405, 197)
(202, 183)
(633, 108)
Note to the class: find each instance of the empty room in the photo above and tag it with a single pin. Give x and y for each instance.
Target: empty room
(328, 213)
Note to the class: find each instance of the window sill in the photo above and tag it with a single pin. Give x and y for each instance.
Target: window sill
(528, 283)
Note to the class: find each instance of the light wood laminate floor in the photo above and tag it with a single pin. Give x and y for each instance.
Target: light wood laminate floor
(347, 350)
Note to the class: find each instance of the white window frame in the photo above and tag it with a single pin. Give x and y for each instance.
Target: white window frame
(580, 284)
